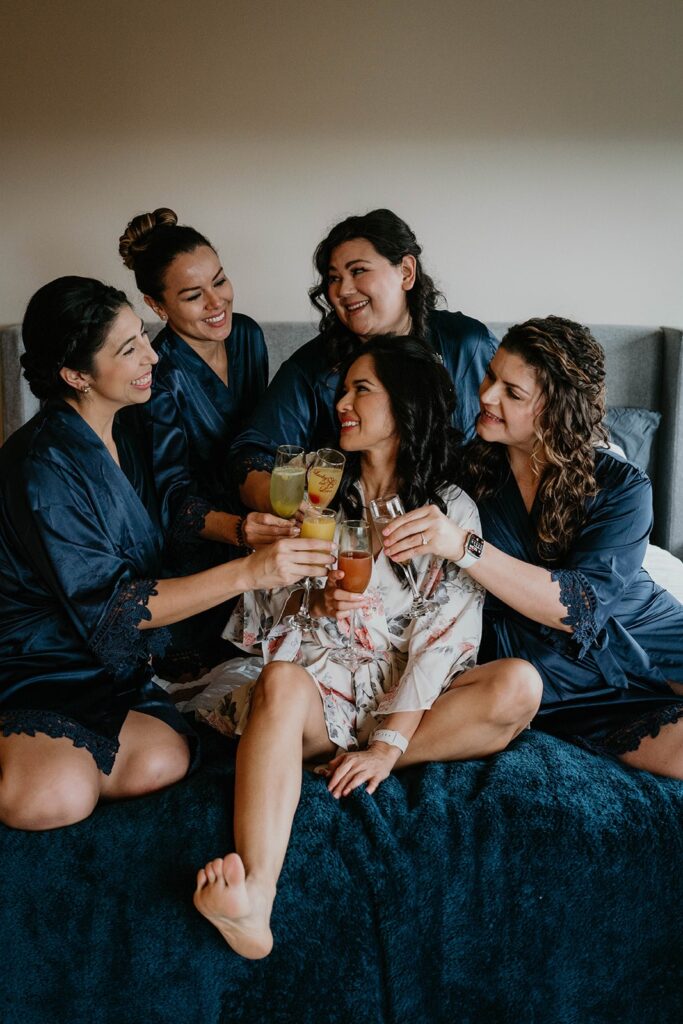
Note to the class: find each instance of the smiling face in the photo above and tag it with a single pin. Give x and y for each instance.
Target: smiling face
(510, 400)
(365, 413)
(122, 367)
(367, 292)
(197, 298)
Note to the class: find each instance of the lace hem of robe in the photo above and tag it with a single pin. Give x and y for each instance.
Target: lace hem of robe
(189, 522)
(56, 726)
(118, 642)
(628, 737)
(578, 597)
(259, 461)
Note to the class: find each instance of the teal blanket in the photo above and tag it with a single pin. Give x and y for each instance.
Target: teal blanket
(541, 885)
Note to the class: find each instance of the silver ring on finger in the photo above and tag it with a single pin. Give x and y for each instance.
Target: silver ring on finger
(424, 539)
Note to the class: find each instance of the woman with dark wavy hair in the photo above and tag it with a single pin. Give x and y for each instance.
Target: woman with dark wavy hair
(84, 602)
(421, 699)
(371, 282)
(565, 524)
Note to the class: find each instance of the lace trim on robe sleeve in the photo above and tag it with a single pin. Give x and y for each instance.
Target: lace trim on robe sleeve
(118, 642)
(257, 461)
(189, 522)
(578, 597)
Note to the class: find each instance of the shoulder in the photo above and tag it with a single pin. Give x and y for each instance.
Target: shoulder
(614, 473)
(309, 361)
(46, 454)
(457, 327)
(244, 328)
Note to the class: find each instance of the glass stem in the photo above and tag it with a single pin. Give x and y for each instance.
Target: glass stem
(306, 598)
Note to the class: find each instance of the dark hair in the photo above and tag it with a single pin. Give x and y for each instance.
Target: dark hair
(570, 368)
(422, 400)
(151, 242)
(393, 239)
(65, 324)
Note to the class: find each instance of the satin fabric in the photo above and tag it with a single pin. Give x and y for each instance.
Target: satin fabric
(298, 407)
(191, 420)
(628, 631)
(79, 557)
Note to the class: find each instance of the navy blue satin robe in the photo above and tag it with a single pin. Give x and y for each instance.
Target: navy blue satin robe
(79, 558)
(298, 407)
(190, 422)
(627, 636)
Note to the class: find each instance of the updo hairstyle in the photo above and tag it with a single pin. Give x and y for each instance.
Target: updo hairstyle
(150, 244)
(66, 323)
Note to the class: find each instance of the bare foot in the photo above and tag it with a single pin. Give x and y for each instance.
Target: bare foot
(239, 911)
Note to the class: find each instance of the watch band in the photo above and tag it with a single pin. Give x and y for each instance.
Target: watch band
(474, 547)
(391, 736)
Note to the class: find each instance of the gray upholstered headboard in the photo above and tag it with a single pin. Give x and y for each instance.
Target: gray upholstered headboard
(644, 369)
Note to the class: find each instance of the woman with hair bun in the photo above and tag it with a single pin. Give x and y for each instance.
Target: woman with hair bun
(371, 282)
(212, 370)
(83, 604)
(565, 525)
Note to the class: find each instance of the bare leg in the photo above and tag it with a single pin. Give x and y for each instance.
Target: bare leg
(49, 783)
(481, 713)
(151, 756)
(662, 754)
(286, 726)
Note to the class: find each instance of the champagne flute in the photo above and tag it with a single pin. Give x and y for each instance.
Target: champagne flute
(383, 510)
(318, 523)
(355, 560)
(288, 480)
(324, 476)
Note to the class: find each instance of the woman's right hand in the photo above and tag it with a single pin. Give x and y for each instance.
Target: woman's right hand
(333, 602)
(261, 528)
(287, 561)
(424, 531)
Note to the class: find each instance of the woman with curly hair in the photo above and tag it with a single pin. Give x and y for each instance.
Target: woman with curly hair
(565, 524)
(421, 699)
(84, 602)
(371, 282)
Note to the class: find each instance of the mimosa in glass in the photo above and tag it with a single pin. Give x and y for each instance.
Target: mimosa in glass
(288, 480)
(324, 476)
(355, 560)
(319, 524)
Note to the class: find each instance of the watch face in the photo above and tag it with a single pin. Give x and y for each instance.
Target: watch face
(474, 545)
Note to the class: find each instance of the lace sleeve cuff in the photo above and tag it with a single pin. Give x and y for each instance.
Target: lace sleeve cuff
(189, 521)
(118, 642)
(248, 463)
(578, 597)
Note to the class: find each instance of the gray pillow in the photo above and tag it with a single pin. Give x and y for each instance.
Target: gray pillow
(635, 431)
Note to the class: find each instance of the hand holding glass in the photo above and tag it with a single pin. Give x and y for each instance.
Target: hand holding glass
(383, 510)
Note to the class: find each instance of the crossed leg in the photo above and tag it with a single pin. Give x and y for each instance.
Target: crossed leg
(49, 783)
(286, 727)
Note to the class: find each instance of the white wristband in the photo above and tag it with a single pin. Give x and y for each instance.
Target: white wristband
(390, 736)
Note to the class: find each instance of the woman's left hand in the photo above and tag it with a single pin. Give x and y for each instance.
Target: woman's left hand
(259, 528)
(350, 770)
(423, 531)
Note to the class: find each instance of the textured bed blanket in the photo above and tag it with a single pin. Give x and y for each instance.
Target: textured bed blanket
(543, 885)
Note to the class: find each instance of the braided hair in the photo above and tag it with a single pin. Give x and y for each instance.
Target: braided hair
(66, 323)
(422, 400)
(570, 369)
(151, 242)
(393, 239)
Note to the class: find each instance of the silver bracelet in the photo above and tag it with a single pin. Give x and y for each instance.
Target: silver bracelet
(390, 736)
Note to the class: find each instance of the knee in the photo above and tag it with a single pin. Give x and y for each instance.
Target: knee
(64, 800)
(517, 689)
(281, 685)
(158, 766)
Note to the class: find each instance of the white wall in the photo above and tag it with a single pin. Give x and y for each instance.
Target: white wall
(535, 147)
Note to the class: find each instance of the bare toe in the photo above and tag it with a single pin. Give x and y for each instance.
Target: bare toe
(239, 910)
